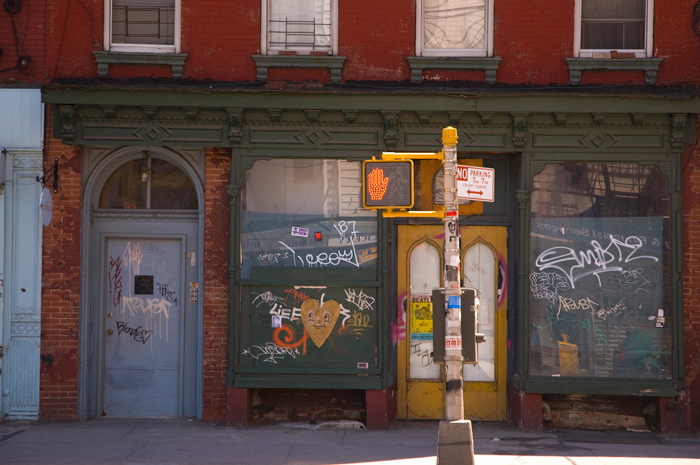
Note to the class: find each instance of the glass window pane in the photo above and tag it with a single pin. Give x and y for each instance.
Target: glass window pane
(613, 25)
(171, 188)
(612, 9)
(479, 264)
(143, 22)
(299, 24)
(454, 24)
(424, 278)
(124, 188)
(149, 183)
(600, 299)
(306, 214)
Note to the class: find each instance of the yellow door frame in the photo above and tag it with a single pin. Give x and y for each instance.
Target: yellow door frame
(423, 398)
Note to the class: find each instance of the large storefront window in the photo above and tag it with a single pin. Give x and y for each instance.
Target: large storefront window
(310, 300)
(300, 213)
(600, 281)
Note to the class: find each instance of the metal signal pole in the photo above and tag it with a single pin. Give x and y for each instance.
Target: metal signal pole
(455, 439)
(454, 400)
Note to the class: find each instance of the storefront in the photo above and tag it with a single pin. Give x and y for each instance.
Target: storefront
(576, 262)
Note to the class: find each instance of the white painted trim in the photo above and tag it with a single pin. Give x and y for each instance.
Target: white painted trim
(487, 51)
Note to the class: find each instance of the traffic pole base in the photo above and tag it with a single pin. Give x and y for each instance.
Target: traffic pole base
(455, 443)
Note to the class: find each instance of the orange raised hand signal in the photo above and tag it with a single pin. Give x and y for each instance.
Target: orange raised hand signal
(376, 183)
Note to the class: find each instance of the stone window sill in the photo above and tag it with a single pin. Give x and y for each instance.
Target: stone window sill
(650, 67)
(333, 63)
(176, 61)
(489, 65)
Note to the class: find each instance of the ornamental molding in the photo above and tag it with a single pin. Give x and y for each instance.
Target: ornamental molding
(145, 216)
(361, 129)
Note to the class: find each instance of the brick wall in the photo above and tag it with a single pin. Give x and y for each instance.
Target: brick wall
(60, 299)
(691, 284)
(215, 285)
(29, 22)
(376, 37)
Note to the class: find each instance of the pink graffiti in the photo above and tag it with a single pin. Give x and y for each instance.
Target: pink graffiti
(504, 288)
(398, 329)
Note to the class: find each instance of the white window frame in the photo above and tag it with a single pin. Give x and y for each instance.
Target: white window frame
(139, 48)
(487, 51)
(646, 52)
(265, 50)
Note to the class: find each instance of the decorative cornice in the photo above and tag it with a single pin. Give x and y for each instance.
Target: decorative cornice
(275, 113)
(488, 65)
(424, 116)
(333, 63)
(350, 115)
(146, 215)
(66, 116)
(560, 118)
(176, 61)
(313, 115)
(235, 123)
(650, 67)
(678, 122)
(192, 113)
(519, 137)
(599, 118)
(486, 117)
(391, 127)
(455, 117)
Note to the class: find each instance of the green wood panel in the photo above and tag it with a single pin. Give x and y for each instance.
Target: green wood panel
(314, 330)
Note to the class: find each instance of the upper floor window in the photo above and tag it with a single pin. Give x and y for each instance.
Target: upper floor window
(454, 28)
(142, 26)
(605, 26)
(302, 26)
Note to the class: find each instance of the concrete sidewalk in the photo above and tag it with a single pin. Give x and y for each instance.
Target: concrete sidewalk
(178, 441)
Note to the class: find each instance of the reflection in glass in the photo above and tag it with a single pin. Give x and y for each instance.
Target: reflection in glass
(600, 289)
(479, 265)
(300, 213)
(424, 277)
(149, 183)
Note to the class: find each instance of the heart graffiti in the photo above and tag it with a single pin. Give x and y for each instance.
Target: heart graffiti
(318, 320)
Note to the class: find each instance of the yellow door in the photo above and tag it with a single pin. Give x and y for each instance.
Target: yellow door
(483, 267)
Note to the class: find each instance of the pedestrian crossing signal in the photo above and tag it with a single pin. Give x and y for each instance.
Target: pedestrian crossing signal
(387, 184)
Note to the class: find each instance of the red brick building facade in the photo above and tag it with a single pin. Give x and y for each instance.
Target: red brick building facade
(533, 109)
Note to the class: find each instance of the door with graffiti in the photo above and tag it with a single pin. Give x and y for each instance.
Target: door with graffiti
(483, 267)
(145, 302)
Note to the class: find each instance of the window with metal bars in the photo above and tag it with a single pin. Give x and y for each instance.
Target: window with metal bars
(143, 22)
(300, 25)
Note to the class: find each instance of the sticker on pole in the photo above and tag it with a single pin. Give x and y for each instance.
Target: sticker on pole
(454, 301)
(475, 183)
(453, 342)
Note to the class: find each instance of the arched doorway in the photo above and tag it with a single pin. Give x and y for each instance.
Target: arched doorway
(141, 313)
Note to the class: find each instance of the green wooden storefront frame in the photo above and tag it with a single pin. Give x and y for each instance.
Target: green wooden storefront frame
(344, 123)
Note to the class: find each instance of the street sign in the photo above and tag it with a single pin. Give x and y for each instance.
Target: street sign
(387, 184)
(475, 183)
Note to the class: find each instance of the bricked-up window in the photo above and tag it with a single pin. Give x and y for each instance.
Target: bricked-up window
(600, 272)
(302, 214)
(143, 25)
(605, 27)
(301, 26)
(454, 28)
